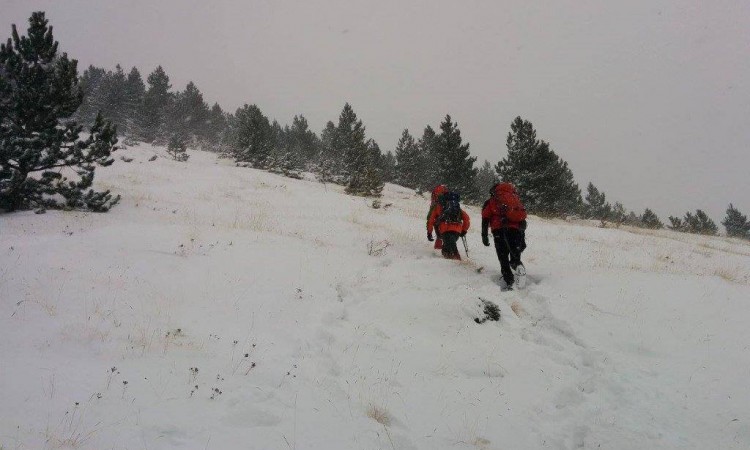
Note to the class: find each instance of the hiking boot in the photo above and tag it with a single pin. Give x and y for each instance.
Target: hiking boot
(520, 275)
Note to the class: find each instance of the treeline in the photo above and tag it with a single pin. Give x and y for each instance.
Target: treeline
(150, 112)
(154, 113)
(596, 207)
(343, 154)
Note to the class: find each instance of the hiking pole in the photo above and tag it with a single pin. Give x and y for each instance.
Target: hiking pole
(466, 247)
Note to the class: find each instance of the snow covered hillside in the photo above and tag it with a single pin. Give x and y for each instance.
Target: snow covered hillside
(227, 308)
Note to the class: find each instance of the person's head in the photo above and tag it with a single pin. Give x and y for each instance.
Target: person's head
(438, 191)
(501, 188)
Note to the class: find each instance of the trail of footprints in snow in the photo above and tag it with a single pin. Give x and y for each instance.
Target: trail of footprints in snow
(547, 330)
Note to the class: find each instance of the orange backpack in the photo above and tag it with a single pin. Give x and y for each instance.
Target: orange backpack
(510, 202)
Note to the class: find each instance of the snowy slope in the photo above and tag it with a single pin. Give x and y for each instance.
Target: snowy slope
(227, 308)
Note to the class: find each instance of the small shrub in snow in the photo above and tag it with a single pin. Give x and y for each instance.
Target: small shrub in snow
(177, 149)
(379, 415)
(491, 312)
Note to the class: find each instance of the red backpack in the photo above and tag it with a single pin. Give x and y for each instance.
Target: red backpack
(510, 202)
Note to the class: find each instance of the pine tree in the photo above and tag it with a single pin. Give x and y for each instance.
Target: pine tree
(359, 169)
(284, 159)
(633, 219)
(544, 181)
(251, 137)
(649, 219)
(408, 162)
(351, 142)
(486, 179)
(428, 162)
(676, 224)
(91, 86)
(217, 125)
(114, 99)
(700, 223)
(157, 102)
(368, 179)
(135, 90)
(303, 141)
(736, 223)
(189, 117)
(388, 167)
(618, 215)
(330, 164)
(455, 163)
(595, 205)
(177, 148)
(39, 93)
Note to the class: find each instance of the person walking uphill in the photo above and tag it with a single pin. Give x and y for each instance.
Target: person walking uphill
(451, 221)
(504, 213)
(437, 192)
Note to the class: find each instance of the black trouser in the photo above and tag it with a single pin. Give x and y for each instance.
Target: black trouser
(509, 243)
(450, 245)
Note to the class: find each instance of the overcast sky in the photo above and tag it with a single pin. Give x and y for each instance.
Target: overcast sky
(649, 100)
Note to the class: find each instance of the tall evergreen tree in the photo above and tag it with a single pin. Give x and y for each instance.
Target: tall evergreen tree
(455, 162)
(595, 205)
(330, 165)
(544, 181)
(157, 102)
(135, 89)
(408, 162)
(359, 167)
(486, 178)
(649, 219)
(428, 165)
(251, 136)
(351, 142)
(303, 141)
(367, 178)
(736, 223)
(388, 167)
(114, 99)
(189, 116)
(91, 86)
(217, 125)
(39, 92)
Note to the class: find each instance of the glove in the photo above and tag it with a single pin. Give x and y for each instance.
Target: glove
(486, 240)
(429, 237)
(463, 233)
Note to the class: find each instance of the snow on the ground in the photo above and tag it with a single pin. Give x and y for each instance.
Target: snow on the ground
(227, 308)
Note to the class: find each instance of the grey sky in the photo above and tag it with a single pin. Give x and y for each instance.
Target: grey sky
(648, 99)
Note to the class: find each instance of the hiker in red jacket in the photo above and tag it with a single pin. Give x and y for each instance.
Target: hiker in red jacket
(438, 191)
(504, 213)
(451, 221)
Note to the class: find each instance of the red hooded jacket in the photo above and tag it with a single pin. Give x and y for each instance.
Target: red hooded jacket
(503, 209)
